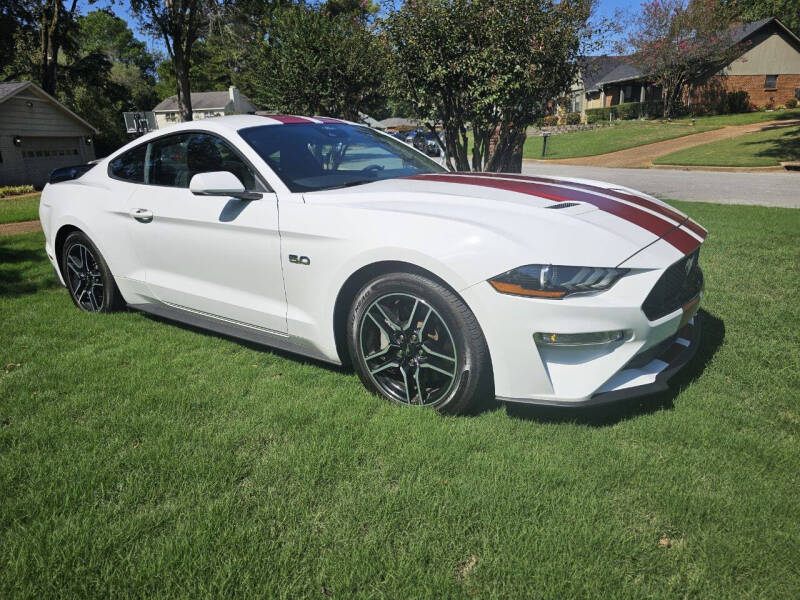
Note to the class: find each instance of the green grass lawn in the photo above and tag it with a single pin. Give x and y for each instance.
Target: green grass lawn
(761, 149)
(25, 208)
(630, 134)
(624, 134)
(747, 118)
(144, 459)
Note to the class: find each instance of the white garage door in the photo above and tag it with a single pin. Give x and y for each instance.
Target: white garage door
(42, 155)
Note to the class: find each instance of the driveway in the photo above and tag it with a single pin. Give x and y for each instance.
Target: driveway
(769, 188)
(643, 156)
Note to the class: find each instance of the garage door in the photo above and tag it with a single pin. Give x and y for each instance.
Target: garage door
(42, 155)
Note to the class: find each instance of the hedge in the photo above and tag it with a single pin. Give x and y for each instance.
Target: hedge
(15, 190)
(624, 111)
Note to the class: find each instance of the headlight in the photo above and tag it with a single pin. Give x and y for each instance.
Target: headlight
(553, 281)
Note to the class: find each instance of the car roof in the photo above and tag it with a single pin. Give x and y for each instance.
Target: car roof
(227, 125)
(237, 122)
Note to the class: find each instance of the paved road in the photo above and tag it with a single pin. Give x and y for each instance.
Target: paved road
(770, 188)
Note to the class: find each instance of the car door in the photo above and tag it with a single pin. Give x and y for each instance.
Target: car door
(216, 255)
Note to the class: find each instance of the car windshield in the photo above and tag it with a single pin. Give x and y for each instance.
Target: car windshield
(311, 157)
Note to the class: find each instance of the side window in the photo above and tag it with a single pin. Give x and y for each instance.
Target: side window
(210, 153)
(167, 163)
(173, 160)
(130, 165)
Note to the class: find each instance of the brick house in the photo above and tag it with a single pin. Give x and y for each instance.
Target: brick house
(768, 70)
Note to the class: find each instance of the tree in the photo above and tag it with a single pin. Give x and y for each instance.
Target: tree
(747, 11)
(55, 25)
(18, 40)
(180, 23)
(312, 62)
(676, 45)
(491, 64)
(106, 72)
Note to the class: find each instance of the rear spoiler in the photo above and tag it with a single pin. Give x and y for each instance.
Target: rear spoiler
(68, 173)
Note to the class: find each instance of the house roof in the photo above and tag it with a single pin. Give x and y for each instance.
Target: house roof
(399, 122)
(203, 101)
(745, 30)
(595, 68)
(600, 70)
(10, 89)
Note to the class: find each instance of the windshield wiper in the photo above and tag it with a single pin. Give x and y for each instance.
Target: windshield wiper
(353, 183)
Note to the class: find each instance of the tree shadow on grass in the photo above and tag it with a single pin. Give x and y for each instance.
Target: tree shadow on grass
(21, 270)
(784, 148)
(713, 333)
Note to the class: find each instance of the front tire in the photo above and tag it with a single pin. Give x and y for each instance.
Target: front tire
(414, 341)
(89, 281)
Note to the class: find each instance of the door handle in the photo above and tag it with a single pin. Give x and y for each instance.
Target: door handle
(142, 215)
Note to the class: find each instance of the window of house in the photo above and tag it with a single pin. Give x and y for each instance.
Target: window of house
(771, 82)
(130, 165)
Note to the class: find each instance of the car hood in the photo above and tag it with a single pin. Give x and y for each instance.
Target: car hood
(576, 221)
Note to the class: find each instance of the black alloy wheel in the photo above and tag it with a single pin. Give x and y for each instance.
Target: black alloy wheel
(414, 342)
(89, 281)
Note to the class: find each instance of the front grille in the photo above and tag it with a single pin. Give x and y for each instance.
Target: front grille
(680, 283)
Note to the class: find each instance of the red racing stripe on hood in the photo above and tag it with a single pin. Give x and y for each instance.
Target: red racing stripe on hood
(656, 225)
(616, 193)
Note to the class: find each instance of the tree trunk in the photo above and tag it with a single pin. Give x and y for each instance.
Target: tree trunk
(49, 45)
(184, 87)
(506, 155)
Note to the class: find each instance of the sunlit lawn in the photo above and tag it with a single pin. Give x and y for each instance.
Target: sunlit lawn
(762, 149)
(630, 134)
(23, 208)
(143, 459)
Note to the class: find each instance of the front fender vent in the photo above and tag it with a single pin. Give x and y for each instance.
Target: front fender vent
(559, 205)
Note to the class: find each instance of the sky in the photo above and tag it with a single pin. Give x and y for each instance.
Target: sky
(606, 9)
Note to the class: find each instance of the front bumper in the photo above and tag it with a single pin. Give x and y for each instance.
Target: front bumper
(643, 379)
(529, 373)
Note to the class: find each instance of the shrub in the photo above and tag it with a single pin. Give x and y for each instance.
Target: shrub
(593, 115)
(737, 102)
(628, 110)
(653, 109)
(551, 120)
(573, 118)
(791, 103)
(15, 190)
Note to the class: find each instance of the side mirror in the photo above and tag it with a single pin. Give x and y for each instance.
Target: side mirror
(220, 183)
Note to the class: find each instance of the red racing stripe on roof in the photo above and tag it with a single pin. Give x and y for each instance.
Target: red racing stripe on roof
(656, 225)
(290, 119)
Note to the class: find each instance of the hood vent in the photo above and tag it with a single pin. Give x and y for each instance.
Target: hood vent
(563, 205)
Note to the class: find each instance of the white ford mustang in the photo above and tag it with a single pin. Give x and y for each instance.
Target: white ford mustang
(334, 241)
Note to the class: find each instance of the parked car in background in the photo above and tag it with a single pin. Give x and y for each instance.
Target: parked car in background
(428, 142)
(441, 289)
(410, 135)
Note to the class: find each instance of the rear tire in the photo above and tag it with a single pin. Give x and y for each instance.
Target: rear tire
(89, 280)
(415, 342)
